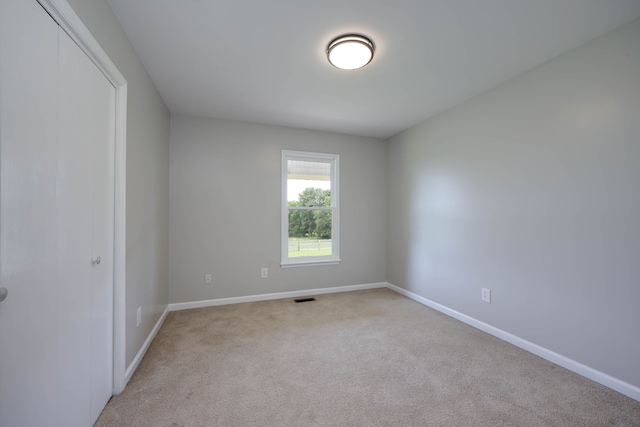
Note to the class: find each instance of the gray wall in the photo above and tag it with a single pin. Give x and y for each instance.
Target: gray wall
(147, 177)
(532, 189)
(225, 209)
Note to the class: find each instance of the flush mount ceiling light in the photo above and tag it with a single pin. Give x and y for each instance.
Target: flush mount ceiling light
(350, 52)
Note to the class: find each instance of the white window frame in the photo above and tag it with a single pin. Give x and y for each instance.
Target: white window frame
(334, 258)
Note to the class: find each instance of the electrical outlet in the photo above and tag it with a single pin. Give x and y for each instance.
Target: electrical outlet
(486, 295)
(265, 273)
(139, 315)
(207, 278)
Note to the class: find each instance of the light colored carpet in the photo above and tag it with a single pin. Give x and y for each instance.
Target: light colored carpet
(368, 358)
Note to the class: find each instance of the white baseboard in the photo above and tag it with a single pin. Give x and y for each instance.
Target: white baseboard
(278, 295)
(577, 367)
(143, 350)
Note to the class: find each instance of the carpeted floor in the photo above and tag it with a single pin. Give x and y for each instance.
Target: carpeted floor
(368, 358)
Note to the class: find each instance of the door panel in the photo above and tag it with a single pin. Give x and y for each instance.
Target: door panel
(28, 218)
(102, 128)
(74, 238)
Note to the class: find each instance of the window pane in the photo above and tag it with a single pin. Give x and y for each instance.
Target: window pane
(309, 224)
(308, 183)
(309, 233)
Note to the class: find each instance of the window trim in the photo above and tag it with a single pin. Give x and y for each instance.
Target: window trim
(334, 258)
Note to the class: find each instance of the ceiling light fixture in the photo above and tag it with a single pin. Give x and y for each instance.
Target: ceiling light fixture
(350, 52)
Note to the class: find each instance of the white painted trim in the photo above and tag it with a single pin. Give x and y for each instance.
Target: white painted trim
(560, 360)
(143, 350)
(310, 263)
(69, 21)
(278, 295)
(120, 243)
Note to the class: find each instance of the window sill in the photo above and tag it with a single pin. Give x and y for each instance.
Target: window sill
(310, 263)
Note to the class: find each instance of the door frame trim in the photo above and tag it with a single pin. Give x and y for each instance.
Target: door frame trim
(69, 21)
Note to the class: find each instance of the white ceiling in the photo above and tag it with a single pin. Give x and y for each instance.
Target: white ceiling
(264, 61)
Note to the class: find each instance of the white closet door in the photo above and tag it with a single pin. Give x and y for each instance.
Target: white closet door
(85, 225)
(103, 131)
(28, 248)
(56, 216)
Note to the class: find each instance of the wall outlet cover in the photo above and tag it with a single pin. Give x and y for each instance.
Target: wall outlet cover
(486, 295)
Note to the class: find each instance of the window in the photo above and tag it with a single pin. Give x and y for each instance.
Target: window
(310, 214)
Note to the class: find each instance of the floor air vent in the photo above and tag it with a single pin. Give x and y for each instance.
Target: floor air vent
(304, 300)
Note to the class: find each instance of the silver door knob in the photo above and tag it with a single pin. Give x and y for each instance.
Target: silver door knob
(3, 294)
(95, 261)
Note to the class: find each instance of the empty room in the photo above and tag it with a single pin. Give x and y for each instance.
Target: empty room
(337, 213)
